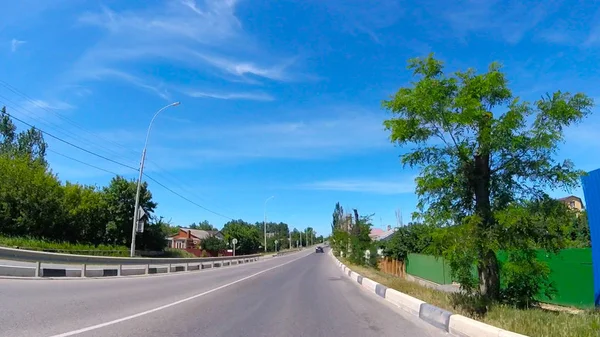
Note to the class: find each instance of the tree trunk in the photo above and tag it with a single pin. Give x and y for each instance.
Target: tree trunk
(489, 275)
(488, 269)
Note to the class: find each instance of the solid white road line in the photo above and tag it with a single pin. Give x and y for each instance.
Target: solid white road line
(98, 326)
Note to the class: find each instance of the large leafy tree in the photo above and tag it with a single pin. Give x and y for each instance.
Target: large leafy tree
(246, 235)
(483, 153)
(30, 199)
(29, 143)
(120, 200)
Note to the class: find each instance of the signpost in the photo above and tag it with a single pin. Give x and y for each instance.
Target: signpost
(234, 241)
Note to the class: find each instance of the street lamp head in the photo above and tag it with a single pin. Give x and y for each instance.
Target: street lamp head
(175, 103)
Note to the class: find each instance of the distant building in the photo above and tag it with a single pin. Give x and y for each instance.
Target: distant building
(191, 238)
(573, 202)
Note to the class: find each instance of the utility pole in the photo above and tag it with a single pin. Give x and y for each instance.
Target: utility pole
(139, 181)
(265, 221)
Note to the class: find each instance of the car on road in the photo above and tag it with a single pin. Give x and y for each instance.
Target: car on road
(319, 250)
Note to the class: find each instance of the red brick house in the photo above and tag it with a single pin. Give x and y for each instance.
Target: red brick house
(191, 238)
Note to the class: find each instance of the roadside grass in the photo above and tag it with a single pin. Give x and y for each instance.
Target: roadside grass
(531, 322)
(177, 253)
(63, 247)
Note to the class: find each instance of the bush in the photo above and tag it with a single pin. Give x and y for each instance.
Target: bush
(177, 253)
(524, 277)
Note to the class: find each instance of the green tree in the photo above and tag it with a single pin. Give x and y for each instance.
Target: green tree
(29, 143)
(412, 238)
(120, 200)
(86, 214)
(204, 225)
(8, 133)
(246, 234)
(482, 154)
(213, 244)
(154, 236)
(30, 199)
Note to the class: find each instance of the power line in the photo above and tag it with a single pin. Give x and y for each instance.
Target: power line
(82, 162)
(166, 175)
(96, 154)
(53, 111)
(71, 144)
(147, 176)
(188, 200)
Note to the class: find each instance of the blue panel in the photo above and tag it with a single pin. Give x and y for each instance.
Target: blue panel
(591, 191)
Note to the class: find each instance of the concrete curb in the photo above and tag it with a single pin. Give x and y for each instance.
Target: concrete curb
(456, 325)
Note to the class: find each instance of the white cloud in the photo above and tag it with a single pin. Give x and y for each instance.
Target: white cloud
(235, 140)
(198, 36)
(102, 73)
(14, 44)
(232, 96)
(389, 186)
(52, 105)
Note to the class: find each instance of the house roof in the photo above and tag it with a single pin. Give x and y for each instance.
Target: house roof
(570, 197)
(387, 234)
(200, 233)
(376, 231)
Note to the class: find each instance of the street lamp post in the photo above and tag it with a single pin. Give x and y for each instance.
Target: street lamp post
(265, 220)
(139, 181)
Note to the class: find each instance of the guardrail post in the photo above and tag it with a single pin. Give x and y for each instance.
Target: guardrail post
(120, 270)
(169, 268)
(38, 267)
(187, 266)
(83, 268)
(147, 269)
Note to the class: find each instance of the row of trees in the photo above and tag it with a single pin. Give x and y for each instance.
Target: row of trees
(251, 236)
(350, 237)
(35, 203)
(486, 160)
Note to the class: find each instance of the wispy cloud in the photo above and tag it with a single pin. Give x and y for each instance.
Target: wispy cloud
(247, 139)
(51, 105)
(199, 37)
(103, 73)
(232, 95)
(14, 44)
(389, 186)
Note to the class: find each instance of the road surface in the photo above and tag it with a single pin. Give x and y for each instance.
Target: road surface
(302, 294)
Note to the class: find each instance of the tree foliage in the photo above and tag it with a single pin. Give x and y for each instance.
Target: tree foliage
(34, 203)
(246, 234)
(204, 225)
(213, 244)
(412, 238)
(485, 156)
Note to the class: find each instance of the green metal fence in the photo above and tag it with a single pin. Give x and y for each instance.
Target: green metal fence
(429, 267)
(571, 273)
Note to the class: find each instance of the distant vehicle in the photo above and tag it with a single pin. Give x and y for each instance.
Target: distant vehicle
(319, 250)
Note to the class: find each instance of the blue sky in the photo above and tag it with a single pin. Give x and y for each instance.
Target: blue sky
(277, 97)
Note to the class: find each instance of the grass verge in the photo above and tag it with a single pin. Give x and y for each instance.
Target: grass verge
(531, 322)
(63, 247)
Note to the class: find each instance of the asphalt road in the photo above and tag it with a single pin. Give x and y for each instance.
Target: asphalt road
(302, 294)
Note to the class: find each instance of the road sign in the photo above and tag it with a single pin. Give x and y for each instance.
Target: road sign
(276, 241)
(234, 241)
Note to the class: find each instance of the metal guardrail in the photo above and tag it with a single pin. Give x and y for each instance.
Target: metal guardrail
(83, 261)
